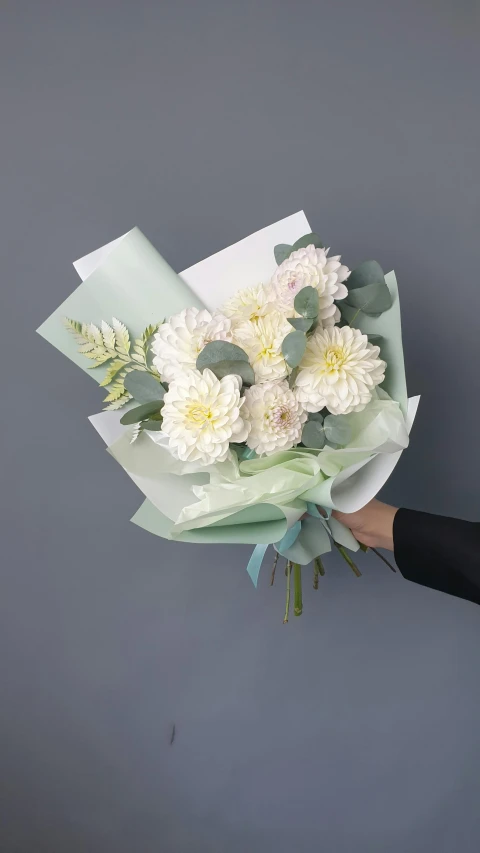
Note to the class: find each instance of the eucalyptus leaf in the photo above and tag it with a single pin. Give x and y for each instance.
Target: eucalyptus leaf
(303, 324)
(306, 303)
(282, 252)
(293, 348)
(152, 426)
(377, 340)
(293, 377)
(239, 368)
(216, 351)
(143, 386)
(337, 429)
(370, 272)
(308, 240)
(373, 298)
(313, 435)
(140, 413)
(316, 416)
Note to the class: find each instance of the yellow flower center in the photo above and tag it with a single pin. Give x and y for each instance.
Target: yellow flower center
(198, 414)
(335, 357)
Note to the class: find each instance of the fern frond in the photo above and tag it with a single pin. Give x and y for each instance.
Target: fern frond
(116, 391)
(112, 371)
(117, 404)
(121, 336)
(108, 335)
(138, 428)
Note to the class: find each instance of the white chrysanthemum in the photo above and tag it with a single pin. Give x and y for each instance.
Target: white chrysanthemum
(249, 304)
(310, 267)
(339, 370)
(201, 415)
(176, 344)
(275, 415)
(262, 341)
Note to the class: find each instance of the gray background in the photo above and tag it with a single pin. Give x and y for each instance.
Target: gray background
(355, 727)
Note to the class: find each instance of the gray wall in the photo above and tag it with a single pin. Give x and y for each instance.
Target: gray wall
(355, 727)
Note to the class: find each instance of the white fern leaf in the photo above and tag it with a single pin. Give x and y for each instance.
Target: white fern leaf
(137, 429)
(116, 391)
(112, 371)
(75, 328)
(117, 404)
(93, 334)
(84, 348)
(122, 337)
(108, 335)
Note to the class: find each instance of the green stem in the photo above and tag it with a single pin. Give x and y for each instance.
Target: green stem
(315, 574)
(356, 571)
(288, 571)
(383, 558)
(297, 587)
(321, 567)
(274, 568)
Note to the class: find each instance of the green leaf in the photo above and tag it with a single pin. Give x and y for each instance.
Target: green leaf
(141, 413)
(306, 302)
(316, 416)
(370, 272)
(217, 351)
(308, 240)
(373, 298)
(293, 348)
(313, 435)
(303, 324)
(143, 386)
(375, 339)
(152, 426)
(239, 368)
(282, 252)
(293, 377)
(337, 429)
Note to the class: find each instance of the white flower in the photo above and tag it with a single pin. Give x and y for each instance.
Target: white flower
(249, 304)
(311, 267)
(201, 415)
(275, 415)
(177, 343)
(339, 370)
(262, 341)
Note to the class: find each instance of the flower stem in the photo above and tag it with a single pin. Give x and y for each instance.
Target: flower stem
(315, 574)
(321, 567)
(288, 571)
(297, 588)
(383, 558)
(356, 571)
(274, 568)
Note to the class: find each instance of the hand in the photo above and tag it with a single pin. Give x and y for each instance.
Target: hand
(372, 525)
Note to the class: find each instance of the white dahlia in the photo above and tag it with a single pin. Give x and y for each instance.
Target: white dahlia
(249, 304)
(339, 370)
(311, 267)
(201, 415)
(177, 344)
(262, 341)
(275, 415)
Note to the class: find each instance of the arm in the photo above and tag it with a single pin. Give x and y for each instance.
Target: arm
(437, 552)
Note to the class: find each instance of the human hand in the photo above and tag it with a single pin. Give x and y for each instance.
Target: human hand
(372, 525)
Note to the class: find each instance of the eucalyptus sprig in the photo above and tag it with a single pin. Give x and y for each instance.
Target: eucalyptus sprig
(112, 346)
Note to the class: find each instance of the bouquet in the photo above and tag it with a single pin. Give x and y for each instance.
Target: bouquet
(248, 396)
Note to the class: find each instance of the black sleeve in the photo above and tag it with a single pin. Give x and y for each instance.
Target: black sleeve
(442, 553)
